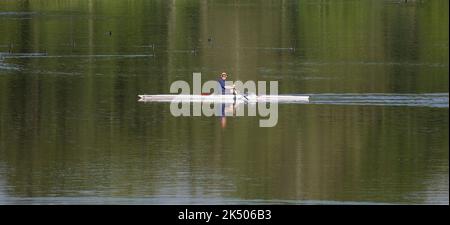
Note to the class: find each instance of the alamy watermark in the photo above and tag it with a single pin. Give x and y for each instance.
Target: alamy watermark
(215, 102)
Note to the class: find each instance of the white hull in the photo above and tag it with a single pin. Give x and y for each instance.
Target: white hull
(224, 98)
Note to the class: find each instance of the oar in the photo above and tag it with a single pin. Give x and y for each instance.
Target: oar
(236, 93)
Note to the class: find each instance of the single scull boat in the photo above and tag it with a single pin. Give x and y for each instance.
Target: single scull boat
(224, 98)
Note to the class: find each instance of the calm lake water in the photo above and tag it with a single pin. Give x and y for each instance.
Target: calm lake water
(72, 131)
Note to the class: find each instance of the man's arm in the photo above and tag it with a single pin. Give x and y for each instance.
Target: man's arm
(230, 86)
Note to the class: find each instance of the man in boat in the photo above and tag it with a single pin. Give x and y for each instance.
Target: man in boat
(223, 87)
(223, 90)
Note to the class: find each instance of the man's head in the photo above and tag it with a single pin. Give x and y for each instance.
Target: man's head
(223, 76)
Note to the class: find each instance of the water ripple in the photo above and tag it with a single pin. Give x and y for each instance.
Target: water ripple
(435, 100)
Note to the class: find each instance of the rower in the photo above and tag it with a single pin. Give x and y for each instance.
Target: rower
(221, 81)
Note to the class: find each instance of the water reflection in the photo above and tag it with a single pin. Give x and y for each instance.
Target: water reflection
(227, 109)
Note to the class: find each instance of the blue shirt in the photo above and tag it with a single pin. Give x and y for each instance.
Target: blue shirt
(222, 85)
